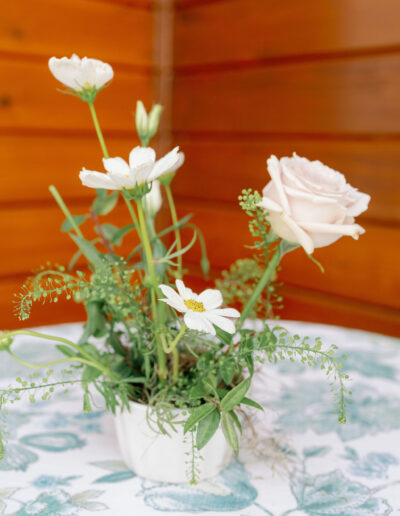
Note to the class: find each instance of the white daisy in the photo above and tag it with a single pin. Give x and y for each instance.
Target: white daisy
(201, 311)
(142, 168)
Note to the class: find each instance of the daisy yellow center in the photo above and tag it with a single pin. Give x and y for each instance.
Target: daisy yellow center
(196, 306)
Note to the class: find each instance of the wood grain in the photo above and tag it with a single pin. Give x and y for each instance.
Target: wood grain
(219, 170)
(29, 100)
(33, 236)
(107, 31)
(361, 270)
(302, 304)
(30, 163)
(334, 97)
(238, 30)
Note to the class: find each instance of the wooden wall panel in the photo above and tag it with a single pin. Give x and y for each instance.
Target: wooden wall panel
(370, 165)
(31, 162)
(29, 99)
(303, 304)
(332, 96)
(102, 30)
(255, 78)
(248, 30)
(47, 137)
(33, 235)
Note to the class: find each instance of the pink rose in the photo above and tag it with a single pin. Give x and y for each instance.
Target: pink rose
(311, 204)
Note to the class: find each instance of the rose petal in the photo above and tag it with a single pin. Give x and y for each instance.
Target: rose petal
(353, 230)
(275, 173)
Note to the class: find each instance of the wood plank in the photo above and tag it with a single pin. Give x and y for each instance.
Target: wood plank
(336, 96)
(29, 99)
(219, 170)
(360, 270)
(107, 31)
(260, 29)
(31, 162)
(33, 236)
(308, 305)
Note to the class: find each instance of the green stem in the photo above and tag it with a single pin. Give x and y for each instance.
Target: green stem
(162, 362)
(133, 216)
(98, 130)
(52, 363)
(174, 343)
(172, 348)
(174, 218)
(90, 360)
(175, 365)
(265, 279)
(65, 210)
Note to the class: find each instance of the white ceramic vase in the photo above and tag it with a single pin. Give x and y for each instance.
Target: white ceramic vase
(166, 458)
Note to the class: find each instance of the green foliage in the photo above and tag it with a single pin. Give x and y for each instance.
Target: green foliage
(104, 202)
(239, 282)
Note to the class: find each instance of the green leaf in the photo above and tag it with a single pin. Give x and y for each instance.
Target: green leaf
(235, 396)
(317, 263)
(197, 415)
(236, 420)
(65, 350)
(252, 403)
(207, 428)
(67, 226)
(103, 204)
(228, 427)
(224, 337)
(119, 235)
(198, 391)
(87, 407)
(90, 374)
(287, 247)
(228, 369)
(159, 251)
(88, 249)
(114, 342)
(109, 231)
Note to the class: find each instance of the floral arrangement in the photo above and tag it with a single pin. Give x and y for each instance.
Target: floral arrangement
(148, 337)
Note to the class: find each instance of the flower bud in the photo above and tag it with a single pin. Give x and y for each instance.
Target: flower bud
(152, 201)
(154, 119)
(141, 119)
(147, 124)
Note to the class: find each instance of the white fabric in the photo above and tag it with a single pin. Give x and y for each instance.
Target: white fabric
(62, 462)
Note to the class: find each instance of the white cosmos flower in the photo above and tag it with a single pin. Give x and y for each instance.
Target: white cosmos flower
(201, 311)
(142, 168)
(79, 74)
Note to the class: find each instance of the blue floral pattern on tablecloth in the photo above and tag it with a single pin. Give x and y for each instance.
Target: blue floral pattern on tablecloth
(61, 462)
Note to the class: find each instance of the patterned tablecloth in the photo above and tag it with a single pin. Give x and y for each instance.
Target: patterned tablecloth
(60, 461)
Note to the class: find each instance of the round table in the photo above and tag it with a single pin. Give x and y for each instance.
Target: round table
(300, 460)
